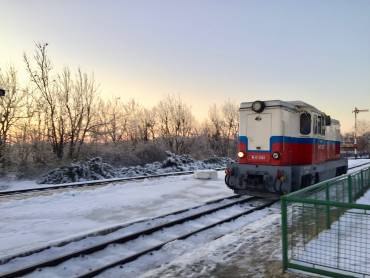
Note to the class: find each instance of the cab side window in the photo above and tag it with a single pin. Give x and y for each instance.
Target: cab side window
(321, 125)
(305, 123)
(315, 125)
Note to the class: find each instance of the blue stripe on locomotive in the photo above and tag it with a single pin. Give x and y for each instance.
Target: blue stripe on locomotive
(287, 139)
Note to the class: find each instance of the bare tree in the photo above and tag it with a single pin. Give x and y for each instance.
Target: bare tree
(132, 111)
(67, 102)
(363, 126)
(61, 112)
(111, 114)
(128, 121)
(363, 140)
(77, 97)
(175, 122)
(223, 127)
(147, 124)
(11, 106)
(231, 124)
(215, 129)
(40, 72)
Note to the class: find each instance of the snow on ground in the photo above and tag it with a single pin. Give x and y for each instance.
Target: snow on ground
(11, 184)
(199, 255)
(37, 221)
(29, 223)
(78, 265)
(252, 249)
(356, 162)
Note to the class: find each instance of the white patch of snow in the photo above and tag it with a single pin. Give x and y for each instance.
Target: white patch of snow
(7, 184)
(356, 162)
(205, 174)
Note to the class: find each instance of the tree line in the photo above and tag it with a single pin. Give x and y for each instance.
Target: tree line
(60, 116)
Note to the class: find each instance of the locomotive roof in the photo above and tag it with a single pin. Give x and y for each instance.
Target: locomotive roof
(294, 105)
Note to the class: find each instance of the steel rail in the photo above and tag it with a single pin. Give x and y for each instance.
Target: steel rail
(120, 239)
(111, 229)
(98, 270)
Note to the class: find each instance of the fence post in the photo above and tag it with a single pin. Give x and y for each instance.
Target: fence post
(338, 244)
(327, 197)
(284, 231)
(362, 182)
(350, 199)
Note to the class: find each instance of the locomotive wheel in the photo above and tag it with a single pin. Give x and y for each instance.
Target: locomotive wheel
(227, 180)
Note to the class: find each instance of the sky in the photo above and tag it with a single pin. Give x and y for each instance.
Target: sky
(207, 52)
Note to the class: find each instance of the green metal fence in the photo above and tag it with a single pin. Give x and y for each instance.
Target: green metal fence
(324, 230)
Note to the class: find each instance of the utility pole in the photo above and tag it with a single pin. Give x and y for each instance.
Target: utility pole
(356, 111)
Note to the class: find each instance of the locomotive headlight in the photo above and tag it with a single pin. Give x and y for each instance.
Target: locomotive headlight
(275, 155)
(240, 154)
(258, 106)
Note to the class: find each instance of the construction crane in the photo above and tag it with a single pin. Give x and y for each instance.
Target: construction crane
(356, 111)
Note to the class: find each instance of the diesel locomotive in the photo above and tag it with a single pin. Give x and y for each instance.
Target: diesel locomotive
(284, 146)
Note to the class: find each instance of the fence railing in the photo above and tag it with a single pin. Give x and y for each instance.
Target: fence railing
(324, 231)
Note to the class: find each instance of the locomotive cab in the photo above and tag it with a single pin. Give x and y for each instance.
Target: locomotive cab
(284, 146)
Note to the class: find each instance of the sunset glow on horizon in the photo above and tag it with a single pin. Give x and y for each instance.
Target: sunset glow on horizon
(205, 51)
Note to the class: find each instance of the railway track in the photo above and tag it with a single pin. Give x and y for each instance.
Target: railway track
(80, 251)
(24, 191)
(94, 254)
(6, 193)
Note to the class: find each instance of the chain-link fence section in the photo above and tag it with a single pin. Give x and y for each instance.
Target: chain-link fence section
(324, 231)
